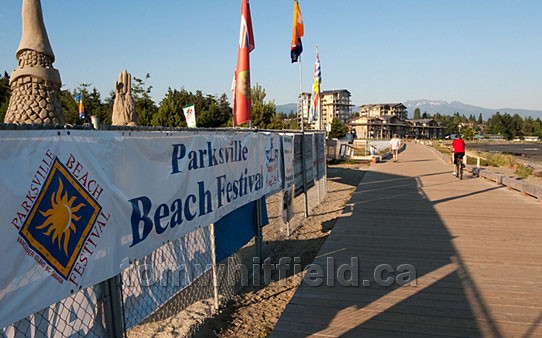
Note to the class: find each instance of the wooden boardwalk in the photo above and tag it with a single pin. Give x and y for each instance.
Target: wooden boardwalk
(476, 248)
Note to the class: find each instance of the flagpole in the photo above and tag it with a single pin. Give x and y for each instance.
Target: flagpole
(301, 95)
(303, 166)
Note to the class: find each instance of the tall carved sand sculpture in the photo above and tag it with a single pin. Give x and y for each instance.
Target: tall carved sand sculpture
(35, 84)
(123, 106)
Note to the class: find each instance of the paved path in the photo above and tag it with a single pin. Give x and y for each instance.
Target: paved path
(476, 249)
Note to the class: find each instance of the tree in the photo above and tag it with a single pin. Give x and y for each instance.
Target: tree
(145, 107)
(528, 126)
(213, 117)
(417, 114)
(338, 129)
(5, 94)
(468, 133)
(262, 112)
(69, 106)
(170, 112)
(93, 104)
(516, 126)
(213, 113)
(537, 127)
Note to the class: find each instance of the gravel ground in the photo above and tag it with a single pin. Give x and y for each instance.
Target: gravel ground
(256, 309)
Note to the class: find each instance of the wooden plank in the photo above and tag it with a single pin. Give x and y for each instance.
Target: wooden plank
(475, 246)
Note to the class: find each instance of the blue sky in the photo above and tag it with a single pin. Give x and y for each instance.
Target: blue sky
(481, 52)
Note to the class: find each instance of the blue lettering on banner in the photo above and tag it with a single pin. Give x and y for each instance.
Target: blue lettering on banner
(144, 218)
(207, 157)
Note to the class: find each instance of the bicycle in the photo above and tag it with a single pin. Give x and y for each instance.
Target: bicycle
(459, 168)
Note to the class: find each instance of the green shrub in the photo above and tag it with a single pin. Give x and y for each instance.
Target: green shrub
(500, 160)
(523, 171)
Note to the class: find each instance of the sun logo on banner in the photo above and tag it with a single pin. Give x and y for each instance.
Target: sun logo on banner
(60, 220)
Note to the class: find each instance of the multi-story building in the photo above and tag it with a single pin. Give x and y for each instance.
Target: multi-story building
(384, 109)
(381, 121)
(303, 107)
(334, 104)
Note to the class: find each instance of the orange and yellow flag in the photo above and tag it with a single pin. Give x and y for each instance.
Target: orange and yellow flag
(296, 48)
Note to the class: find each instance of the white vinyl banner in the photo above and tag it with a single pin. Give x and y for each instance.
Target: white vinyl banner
(289, 181)
(288, 155)
(77, 205)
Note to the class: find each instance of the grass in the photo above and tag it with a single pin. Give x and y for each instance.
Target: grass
(523, 171)
(502, 160)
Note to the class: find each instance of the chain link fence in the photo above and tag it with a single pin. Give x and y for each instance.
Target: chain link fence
(179, 285)
(80, 315)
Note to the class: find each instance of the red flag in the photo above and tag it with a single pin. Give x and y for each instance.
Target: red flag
(242, 111)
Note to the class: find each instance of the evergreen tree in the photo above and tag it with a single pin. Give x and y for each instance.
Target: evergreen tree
(528, 126)
(5, 94)
(417, 114)
(338, 129)
(262, 112)
(70, 108)
(170, 111)
(143, 103)
(92, 102)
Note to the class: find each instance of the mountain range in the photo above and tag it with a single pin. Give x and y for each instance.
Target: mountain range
(443, 107)
(450, 108)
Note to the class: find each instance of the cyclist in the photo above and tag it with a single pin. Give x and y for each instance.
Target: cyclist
(458, 149)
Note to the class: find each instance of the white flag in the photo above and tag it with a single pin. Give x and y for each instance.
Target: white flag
(190, 115)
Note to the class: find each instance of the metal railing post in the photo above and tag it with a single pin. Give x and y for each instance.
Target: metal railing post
(214, 266)
(303, 166)
(113, 313)
(259, 233)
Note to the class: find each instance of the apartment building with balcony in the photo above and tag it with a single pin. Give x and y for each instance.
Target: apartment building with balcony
(384, 109)
(383, 120)
(334, 104)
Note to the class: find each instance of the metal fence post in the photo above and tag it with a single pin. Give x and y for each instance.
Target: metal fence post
(113, 313)
(259, 233)
(213, 259)
(303, 166)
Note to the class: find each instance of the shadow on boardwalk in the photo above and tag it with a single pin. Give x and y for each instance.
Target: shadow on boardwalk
(389, 222)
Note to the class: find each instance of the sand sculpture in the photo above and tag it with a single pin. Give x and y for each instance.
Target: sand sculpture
(35, 84)
(123, 107)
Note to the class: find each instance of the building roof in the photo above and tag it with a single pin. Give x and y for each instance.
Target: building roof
(335, 91)
(382, 104)
(422, 120)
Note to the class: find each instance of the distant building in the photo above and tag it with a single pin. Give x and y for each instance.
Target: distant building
(334, 104)
(425, 128)
(382, 121)
(531, 138)
(303, 107)
(384, 109)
